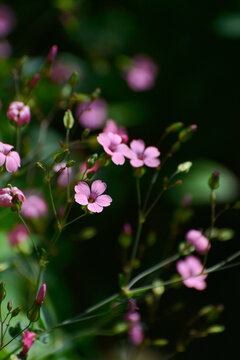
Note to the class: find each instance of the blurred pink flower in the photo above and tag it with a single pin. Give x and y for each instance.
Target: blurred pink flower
(9, 196)
(5, 49)
(141, 74)
(92, 115)
(139, 155)
(111, 126)
(17, 235)
(7, 20)
(34, 80)
(28, 341)
(63, 174)
(112, 145)
(200, 242)
(52, 53)
(93, 198)
(41, 295)
(62, 70)
(127, 229)
(19, 113)
(10, 158)
(189, 268)
(34, 206)
(136, 334)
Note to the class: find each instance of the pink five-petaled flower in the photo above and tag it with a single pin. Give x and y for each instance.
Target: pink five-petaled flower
(19, 113)
(111, 126)
(41, 295)
(93, 198)
(10, 158)
(112, 145)
(35, 206)
(10, 196)
(189, 268)
(17, 235)
(28, 341)
(200, 242)
(139, 155)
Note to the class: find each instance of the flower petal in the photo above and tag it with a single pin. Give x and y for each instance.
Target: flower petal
(81, 199)
(15, 155)
(126, 151)
(95, 207)
(152, 162)
(11, 164)
(82, 188)
(2, 159)
(103, 139)
(118, 158)
(152, 151)
(103, 200)
(114, 138)
(98, 187)
(137, 146)
(136, 163)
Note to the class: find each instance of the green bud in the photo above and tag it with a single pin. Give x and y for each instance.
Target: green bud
(9, 305)
(91, 161)
(176, 146)
(213, 181)
(16, 311)
(125, 241)
(73, 80)
(174, 127)
(70, 163)
(68, 120)
(34, 313)
(187, 133)
(139, 172)
(2, 291)
(184, 167)
(185, 248)
(158, 289)
(216, 329)
(160, 342)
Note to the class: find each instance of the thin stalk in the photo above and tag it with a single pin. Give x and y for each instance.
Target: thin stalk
(30, 235)
(18, 138)
(153, 204)
(9, 342)
(213, 220)
(72, 221)
(68, 178)
(1, 325)
(52, 201)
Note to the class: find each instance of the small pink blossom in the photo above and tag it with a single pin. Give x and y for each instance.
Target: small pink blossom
(10, 158)
(92, 115)
(200, 242)
(136, 334)
(188, 269)
(112, 145)
(17, 235)
(19, 113)
(64, 172)
(127, 229)
(7, 20)
(41, 295)
(9, 196)
(139, 155)
(52, 53)
(141, 74)
(35, 206)
(93, 198)
(28, 341)
(111, 126)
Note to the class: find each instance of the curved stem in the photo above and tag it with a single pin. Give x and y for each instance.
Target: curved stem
(30, 235)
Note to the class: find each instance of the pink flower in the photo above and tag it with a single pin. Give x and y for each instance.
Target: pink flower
(127, 229)
(199, 241)
(52, 53)
(19, 113)
(5, 49)
(35, 206)
(139, 155)
(112, 127)
(7, 20)
(17, 235)
(141, 74)
(41, 295)
(63, 174)
(62, 69)
(93, 198)
(189, 268)
(9, 196)
(11, 159)
(92, 115)
(136, 334)
(112, 145)
(28, 341)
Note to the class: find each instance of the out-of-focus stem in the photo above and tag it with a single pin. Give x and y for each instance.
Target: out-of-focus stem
(29, 233)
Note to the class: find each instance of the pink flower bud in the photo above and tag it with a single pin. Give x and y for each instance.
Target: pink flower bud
(52, 53)
(9, 197)
(19, 113)
(28, 341)
(41, 295)
(34, 80)
(10, 158)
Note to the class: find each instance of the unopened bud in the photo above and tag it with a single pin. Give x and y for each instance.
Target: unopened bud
(16, 311)
(73, 81)
(68, 120)
(34, 313)
(9, 305)
(2, 291)
(34, 80)
(187, 133)
(52, 53)
(174, 127)
(175, 147)
(91, 161)
(213, 181)
(184, 167)
(41, 294)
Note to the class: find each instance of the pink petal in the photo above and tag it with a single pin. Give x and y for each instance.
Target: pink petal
(7, 147)
(95, 207)
(108, 151)
(82, 188)
(2, 159)
(15, 155)
(98, 187)
(182, 269)
(81, 199)
(136, 163)
(103, 139)
(103, 200)
(137, 146)
(114, 138)
(118, 158)
(128, 153)
(11, 164)
(152, 162)
(151, 151)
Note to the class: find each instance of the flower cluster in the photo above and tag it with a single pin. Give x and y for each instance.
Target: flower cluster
(135, 332)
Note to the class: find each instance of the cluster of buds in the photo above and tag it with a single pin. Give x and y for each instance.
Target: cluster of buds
(34, 313)
(135, 332)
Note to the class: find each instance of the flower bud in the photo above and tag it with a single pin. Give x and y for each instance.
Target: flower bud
(34, 80)
(34, 313)
(174, 127)
(16, 311)
(52, 53)
(213, 181)
(41, 295)
(186, 133)
(184, 167)
(91, 161)
(73, 81)
(175, 147)
(2, 291)
(9, 305)
(68, 120)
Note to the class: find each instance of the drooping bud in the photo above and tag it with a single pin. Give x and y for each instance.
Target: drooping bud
(68, 120)
(187, 133)
(213, 181)
(9, 305)
(52, 53)
(2, 291)
(16, 311)
(34, 80)
(73, 81)
(174, 127)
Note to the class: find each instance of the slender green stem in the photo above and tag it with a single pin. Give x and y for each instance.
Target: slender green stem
(52, 201)
(153, 204)
(18, 138)
(30, 235)
(72, 221)
(152, 183)
(40, 278)
(9, 342)
(1, 321)
(213, 219)
(13, 352)
(68, 178)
